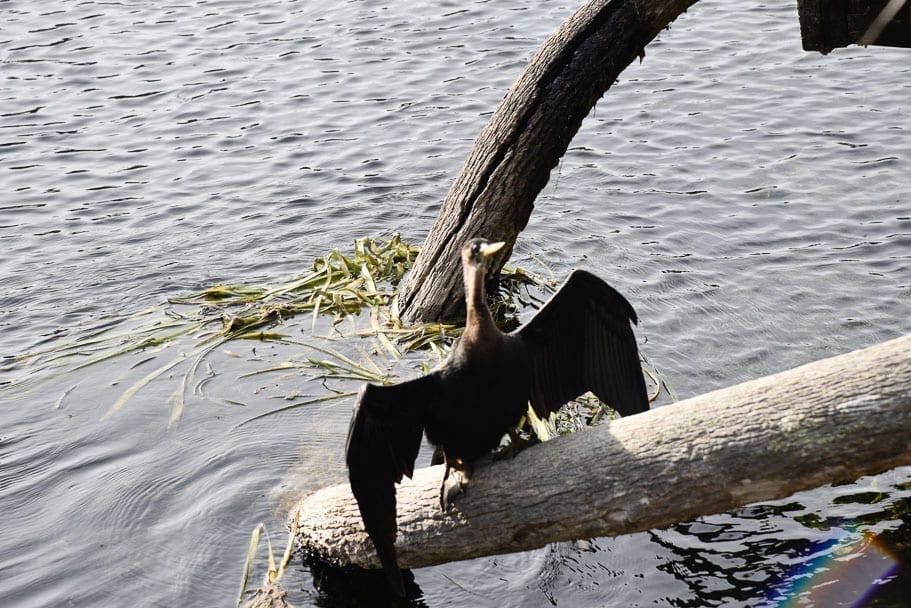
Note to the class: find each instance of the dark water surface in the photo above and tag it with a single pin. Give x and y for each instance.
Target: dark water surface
(751, 199)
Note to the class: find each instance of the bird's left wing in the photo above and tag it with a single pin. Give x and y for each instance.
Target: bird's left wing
(582, 340)
(383, 443)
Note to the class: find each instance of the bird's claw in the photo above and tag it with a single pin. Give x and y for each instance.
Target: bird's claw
(448, 491)
(455, 480)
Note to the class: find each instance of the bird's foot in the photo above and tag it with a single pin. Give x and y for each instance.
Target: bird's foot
(455, 480)
(449, 489)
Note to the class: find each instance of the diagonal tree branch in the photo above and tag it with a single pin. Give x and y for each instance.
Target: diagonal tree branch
(510, 163)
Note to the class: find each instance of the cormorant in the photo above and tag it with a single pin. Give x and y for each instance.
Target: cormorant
(581, 340)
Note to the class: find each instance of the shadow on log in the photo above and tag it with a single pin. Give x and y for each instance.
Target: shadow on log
(830, 421)
(510, 163)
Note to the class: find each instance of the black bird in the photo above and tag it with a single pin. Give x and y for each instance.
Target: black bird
(581, 340)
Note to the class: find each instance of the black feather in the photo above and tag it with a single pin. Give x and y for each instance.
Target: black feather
(581, 340)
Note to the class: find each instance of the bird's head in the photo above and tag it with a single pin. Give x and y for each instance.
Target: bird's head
(477, 253)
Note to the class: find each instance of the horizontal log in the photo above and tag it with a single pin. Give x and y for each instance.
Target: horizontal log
(829, 421)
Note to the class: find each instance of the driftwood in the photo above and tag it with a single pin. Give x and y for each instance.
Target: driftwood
(510, 163)
(511, 160)
(829, 421)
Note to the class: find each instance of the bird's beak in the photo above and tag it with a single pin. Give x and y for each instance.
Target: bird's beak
(491, 248)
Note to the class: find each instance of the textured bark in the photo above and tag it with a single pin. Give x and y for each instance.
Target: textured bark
(829, 421)
(493, 195)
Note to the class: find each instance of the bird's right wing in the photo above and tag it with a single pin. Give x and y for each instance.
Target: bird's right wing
(582, 340)
(383, 443)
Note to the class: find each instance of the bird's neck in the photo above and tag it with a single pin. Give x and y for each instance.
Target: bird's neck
(478, 319)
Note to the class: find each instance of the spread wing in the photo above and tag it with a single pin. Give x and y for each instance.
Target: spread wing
(383, 443)
(582, 340)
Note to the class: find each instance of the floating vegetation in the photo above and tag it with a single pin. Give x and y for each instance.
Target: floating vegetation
(270, 594)
(336, 287)
(583, 411)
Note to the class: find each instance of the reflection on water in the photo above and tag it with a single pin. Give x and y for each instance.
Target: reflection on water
(849, 575)
(749, 198)
(784, 554)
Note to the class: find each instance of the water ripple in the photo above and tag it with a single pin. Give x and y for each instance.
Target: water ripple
(748, 197)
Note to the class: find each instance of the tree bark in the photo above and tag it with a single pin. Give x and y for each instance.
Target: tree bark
(829, 421)
(493, 195)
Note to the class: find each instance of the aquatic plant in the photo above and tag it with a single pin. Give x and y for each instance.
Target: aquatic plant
(270, 594)
(335, 287)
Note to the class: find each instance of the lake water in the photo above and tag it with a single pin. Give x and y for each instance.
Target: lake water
(751, 199)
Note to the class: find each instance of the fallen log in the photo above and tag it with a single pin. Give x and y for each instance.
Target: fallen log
(825, 422)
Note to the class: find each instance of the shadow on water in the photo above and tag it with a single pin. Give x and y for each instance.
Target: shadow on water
(353, 587)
